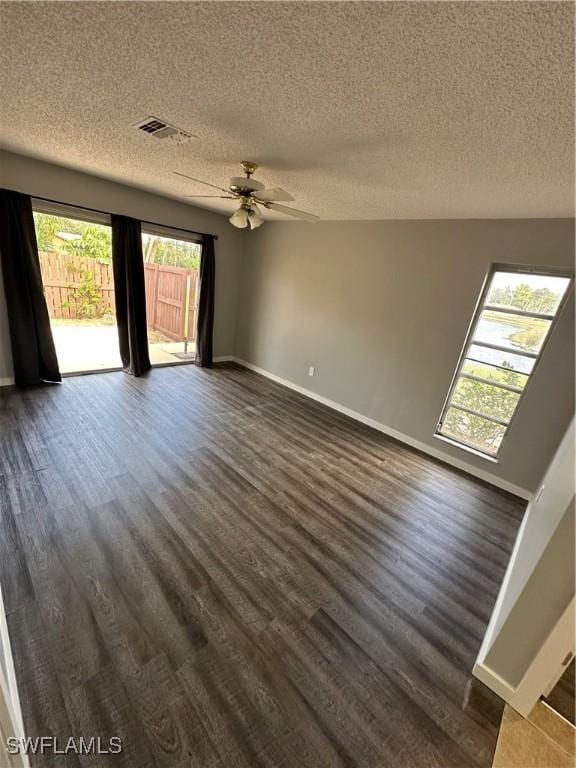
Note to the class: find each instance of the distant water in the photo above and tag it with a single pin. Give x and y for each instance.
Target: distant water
(493, 332)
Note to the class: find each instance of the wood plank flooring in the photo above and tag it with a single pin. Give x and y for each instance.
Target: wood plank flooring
(562, 697)
(225, 574)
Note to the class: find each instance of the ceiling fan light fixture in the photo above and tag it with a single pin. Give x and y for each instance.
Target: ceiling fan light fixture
(240, 218)
(255, 219)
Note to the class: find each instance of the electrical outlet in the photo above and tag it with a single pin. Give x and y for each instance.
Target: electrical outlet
(311, 370)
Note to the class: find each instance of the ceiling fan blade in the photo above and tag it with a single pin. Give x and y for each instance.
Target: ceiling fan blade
(207, 183)
(271, 195)
(218, 197)
(291, 211)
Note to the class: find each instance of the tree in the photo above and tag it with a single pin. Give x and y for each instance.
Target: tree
(524, 297)
(502, 296)
(482, 397)
(46, 230)
(174, 253)
(86, 298)
(93, 241)
(544, 300)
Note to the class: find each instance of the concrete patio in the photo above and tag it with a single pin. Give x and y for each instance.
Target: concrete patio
(81, 347)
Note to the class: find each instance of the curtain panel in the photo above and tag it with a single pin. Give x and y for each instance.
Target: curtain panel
(130, 293)
(33, 352)
(205, 325)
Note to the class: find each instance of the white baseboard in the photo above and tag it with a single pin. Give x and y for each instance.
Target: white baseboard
(413, 443)
(493, 680)
(7, 381)
(224, 359)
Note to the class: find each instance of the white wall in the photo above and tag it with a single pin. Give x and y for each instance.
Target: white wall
(381, 309)
(545, 596)
(539, 581)
(541, 519)
(35, 177)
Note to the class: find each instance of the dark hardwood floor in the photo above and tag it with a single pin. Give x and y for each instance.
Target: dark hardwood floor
(562, 696)
(223, 573)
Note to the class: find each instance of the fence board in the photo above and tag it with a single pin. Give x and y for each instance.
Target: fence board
(62, 276)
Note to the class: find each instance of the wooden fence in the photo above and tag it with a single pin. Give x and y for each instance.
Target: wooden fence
(171, 300)
(74, 285)
(64, 279)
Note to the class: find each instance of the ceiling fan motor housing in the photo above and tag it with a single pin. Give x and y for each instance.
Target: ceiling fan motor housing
(241, 184)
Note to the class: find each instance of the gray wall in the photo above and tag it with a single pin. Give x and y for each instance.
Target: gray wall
(382, 309)
(38, 178)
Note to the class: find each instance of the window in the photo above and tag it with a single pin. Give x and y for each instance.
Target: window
(513, 320)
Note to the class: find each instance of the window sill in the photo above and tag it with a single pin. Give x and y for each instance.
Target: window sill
(467, 448)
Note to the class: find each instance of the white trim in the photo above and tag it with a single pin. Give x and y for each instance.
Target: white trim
(66, 211)
(502, 593)
(469, 468)
(558, 674)
(544, 667)
(171, 233)
(11, 722)
(463, 447)
(493, 680)
(558, 484)
(224, 359)
(7, 381)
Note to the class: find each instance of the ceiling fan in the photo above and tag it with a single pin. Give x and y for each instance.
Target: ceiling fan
(251, 193)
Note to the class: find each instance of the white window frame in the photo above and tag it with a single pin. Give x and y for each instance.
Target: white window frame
(536, 356)
(66, 211)
(172, 233)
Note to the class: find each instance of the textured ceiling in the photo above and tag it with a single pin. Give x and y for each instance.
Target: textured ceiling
(360, 110)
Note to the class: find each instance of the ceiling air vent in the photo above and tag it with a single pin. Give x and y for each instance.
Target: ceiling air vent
(162, 130)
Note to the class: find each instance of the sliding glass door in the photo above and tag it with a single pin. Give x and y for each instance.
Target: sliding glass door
(171, 267)
(76, 263)
(75, 250)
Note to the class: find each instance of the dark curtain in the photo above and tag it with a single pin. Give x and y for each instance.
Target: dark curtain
(31, 340)
(130, 293)
(206, 303)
